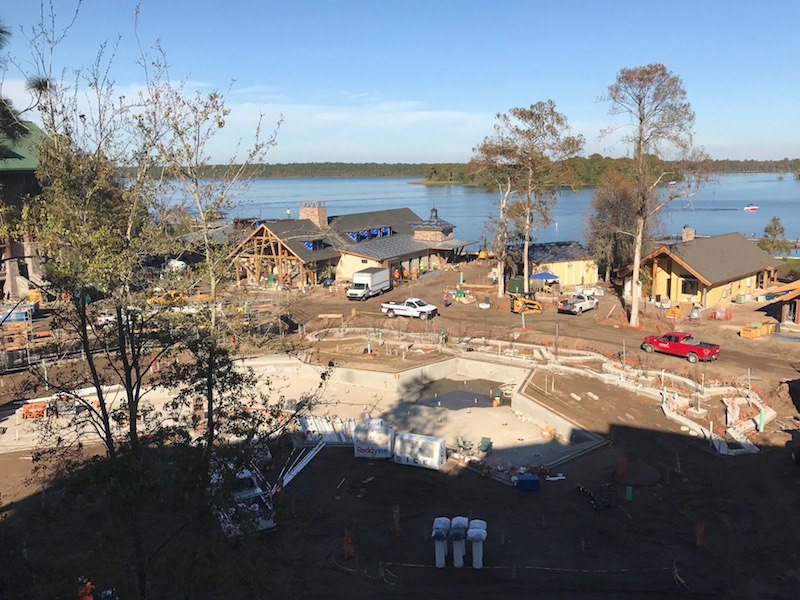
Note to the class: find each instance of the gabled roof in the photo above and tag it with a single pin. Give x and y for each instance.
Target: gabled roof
(399, 219)
(717, 259)
(295, 232)
(558, 252)
(21, 155)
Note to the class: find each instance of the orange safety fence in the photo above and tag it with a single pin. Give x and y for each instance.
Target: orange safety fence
(34, 410)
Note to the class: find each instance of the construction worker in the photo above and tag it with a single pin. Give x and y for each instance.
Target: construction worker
(85, 589)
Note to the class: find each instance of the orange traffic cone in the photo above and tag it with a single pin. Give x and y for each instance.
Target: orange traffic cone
(347, 545)
(621, 473)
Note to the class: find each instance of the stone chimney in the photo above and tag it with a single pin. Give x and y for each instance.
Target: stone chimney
(688, 234)
(315, 212)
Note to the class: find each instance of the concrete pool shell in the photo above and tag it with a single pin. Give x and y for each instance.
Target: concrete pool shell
(523, 432)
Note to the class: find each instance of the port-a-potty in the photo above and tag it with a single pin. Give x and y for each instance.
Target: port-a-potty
(441, 529)
(458, 533)
(476, 534)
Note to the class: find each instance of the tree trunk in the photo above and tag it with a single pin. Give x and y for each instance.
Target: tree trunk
(106, 433)
(210, 419)
(526, 261)
(140, 561)
(501, 278)
(502, 242)
(637, 259)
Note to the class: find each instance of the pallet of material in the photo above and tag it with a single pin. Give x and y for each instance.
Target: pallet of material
(757, 330)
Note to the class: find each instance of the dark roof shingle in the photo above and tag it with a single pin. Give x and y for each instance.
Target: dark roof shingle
(722, 258)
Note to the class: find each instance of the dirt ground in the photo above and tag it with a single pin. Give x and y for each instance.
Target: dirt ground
(688, 523)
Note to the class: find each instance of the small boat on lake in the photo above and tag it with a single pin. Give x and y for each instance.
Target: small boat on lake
(751, 208)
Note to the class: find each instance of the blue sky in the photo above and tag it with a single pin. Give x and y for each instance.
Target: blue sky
(421, 81)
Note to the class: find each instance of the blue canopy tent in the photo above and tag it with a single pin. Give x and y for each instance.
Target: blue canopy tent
(544, 276)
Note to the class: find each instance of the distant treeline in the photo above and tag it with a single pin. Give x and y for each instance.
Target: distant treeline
(330, 169)
(588, 170)
(757, 166)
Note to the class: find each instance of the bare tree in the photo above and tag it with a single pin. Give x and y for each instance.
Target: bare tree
(610, 222)
(185, 124)
(660, 123)
(488, 165)
(526, 159)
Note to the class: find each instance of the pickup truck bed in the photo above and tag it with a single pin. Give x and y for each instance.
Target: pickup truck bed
(412, 307)
(679, 343)
(577, 304)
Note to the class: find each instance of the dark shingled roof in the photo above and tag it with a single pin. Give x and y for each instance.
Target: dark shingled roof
(387, 248)
(398, 247)
(434, 223)
(293, 232)
(399, 219)
(720, 258)
(558, 252)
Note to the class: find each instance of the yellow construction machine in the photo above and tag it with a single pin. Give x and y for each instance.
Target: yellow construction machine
(525, 303)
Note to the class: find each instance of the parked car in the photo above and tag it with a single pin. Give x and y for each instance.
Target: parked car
(412, 307)
(577, 304)
(680, 343)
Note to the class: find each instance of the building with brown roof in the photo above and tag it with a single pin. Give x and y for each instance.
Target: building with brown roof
(705, 271)
(316, 247)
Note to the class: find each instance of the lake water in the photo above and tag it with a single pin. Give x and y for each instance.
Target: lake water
(717, 209)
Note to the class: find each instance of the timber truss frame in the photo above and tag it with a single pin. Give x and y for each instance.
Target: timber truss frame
(263, 255)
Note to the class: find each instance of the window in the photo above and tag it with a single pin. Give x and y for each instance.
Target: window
(689, 287)
(315, 245)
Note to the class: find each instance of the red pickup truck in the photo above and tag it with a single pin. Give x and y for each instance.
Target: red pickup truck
(680, 343)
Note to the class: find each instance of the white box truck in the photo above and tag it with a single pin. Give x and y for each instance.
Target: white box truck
(369, 282)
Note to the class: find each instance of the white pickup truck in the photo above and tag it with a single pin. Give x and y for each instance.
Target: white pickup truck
(412, 307)
(577, 304)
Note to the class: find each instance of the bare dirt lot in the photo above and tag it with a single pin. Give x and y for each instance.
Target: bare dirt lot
(688, 523)
(727, 525)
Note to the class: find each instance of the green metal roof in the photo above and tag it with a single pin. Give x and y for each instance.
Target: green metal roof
(21, 155)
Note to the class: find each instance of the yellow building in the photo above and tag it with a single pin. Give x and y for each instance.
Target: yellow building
(704, 271)
(570, 261)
